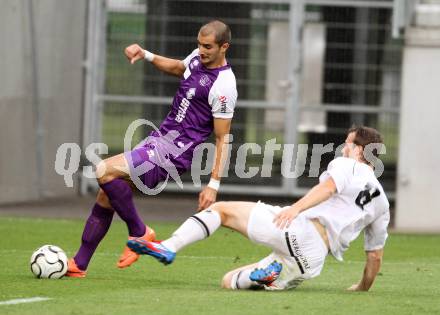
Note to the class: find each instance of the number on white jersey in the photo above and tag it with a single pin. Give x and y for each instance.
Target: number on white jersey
(365, 196)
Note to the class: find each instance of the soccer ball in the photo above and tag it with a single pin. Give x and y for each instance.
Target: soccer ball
(49, 261)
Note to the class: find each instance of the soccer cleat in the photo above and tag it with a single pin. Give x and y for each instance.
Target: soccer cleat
(128, 257)
(267, 275)
(154, 249)
(73, 271)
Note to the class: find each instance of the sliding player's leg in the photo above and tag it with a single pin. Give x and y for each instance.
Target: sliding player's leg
(234, 215)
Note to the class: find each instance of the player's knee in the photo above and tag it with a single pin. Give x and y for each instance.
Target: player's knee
(215, 206)
(104, 173)
(100, 172)
(221, 208)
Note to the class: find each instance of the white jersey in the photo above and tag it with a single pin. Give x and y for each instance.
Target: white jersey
(359, 203)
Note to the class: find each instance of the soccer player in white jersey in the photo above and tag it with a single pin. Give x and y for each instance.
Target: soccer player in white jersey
(347, 200)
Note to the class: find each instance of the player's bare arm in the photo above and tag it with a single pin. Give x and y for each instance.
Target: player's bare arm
(174, 67)
(372, 267)
(222, 128)
(315, 196)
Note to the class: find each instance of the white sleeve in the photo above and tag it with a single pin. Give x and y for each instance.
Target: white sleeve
(223, 95)
(375, 233)
(341, 171)
(188, 58)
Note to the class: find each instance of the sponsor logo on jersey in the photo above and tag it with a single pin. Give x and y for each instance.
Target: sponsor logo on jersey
(184, 104)
(204, 80)
(223, 101)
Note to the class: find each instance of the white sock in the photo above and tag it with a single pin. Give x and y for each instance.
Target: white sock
(240, 280)
(195, 228)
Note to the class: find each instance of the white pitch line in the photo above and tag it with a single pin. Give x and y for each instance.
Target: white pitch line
(28, 300)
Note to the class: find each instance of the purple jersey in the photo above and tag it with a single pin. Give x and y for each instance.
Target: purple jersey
(203, 94)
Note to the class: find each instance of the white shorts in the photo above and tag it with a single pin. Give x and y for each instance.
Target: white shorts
(299, 248)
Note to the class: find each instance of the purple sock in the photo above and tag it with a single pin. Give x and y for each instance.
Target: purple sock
(96, 227)
(120, 195)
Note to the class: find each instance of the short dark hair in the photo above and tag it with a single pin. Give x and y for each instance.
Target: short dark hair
(221, 31)
(363, 136)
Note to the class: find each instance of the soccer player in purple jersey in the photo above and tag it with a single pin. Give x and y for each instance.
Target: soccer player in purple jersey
(204, 102)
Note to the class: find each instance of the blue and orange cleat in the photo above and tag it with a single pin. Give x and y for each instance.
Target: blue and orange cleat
(154, 249)
(267, 275)
(128, 257)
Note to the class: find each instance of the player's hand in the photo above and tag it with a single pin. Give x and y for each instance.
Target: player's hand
(285, 217)
(134, 53)
(206, 198)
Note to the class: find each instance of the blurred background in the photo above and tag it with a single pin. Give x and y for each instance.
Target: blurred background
(306, 72)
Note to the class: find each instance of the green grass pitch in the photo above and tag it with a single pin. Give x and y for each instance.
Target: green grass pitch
(409, 282)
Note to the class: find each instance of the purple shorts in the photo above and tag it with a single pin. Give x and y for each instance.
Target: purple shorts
(154, 175)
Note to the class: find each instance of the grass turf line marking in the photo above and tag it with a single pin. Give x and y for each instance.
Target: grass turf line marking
(21, 301)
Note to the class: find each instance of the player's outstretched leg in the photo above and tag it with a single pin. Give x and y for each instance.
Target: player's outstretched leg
(234, 215)
(195, 228)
